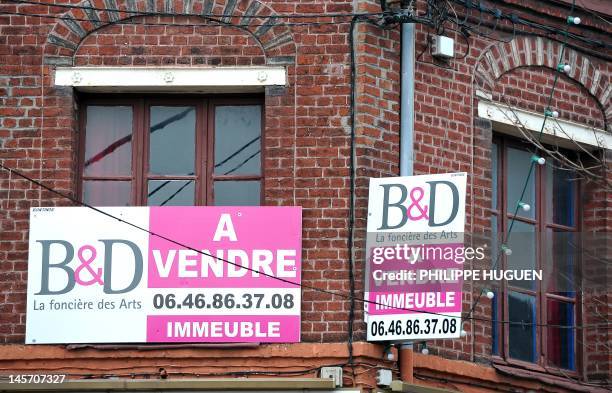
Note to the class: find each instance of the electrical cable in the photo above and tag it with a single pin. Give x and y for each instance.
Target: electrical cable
(493, 12)
(148, 13)
(463, 27)
(556, 154)
(438, 20)
(130, 21)
(351, 214)
(110, 374)
(527, 22)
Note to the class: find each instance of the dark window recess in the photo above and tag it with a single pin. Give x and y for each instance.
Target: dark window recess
(522, 331)
(171, 151)
(540, 239)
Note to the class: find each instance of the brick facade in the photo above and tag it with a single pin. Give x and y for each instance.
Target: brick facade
(307, 141)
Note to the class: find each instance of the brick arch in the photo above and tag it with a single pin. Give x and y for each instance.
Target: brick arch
(275, 38)
(538, 51)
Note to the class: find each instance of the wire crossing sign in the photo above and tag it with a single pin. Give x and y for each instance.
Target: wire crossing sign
(415, 237)
(216, 274)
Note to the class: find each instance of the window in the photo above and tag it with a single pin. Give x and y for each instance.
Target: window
(171, 151)
(540, 238)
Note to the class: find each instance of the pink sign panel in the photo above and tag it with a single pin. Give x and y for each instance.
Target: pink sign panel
(239, 328)
(261, 247)
(242, 269)
(413, 287)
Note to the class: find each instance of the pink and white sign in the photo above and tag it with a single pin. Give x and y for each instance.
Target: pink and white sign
(414, 247)
(178, 274)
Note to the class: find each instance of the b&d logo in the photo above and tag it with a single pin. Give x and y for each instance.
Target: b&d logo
(85, 274)
(412, 206)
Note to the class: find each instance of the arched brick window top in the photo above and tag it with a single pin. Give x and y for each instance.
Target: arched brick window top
(272, 35)
(538, 51)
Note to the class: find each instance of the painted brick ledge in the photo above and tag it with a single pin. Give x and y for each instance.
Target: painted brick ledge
(472, 377)
(300, 350)
(430, 370)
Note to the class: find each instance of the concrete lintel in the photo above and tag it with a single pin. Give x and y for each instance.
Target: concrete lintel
(126, 79)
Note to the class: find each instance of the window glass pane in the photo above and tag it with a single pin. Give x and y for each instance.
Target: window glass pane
(560, 340)
(238, 140)
(561, 256)
(108, 141)
(107, 193)
(522, 335)
(172, 141)
(494, 177)
(560, 195)
(494, 235)
(495, 325)
(522, 242)
(519, 162)
(237, 193)
(171, 193)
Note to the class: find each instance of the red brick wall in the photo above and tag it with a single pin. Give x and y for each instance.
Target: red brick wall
(529, 88)
(307, 135)
(140, 45)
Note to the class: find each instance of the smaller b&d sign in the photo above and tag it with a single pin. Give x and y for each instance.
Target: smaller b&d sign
(415, 236)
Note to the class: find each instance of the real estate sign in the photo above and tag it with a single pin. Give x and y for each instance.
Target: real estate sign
(164, 274)
(414, 245)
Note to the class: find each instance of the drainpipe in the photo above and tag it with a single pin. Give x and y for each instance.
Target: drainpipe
(407, 101)
(406, 363)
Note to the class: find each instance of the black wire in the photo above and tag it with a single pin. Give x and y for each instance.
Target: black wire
(351, 218)
(549, 31)
(199, 374)
(147, 13)
(490, 36)
(130, 21)
(533, 24)
(510, 17)
(466, 37)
